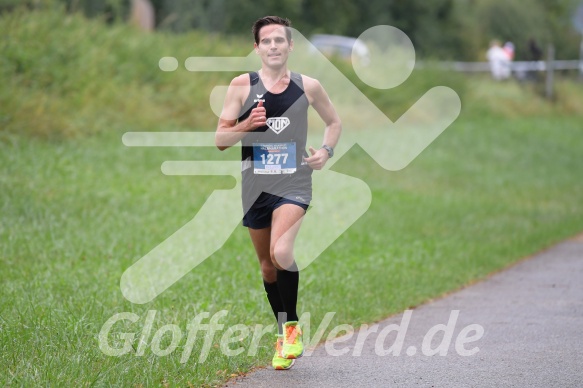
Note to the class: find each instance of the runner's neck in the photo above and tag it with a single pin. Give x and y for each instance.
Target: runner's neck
(271, 78)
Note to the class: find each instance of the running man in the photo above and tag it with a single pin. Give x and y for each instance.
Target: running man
(267, 111)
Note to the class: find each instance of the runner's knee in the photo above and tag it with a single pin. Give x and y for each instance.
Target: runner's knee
(282, 256)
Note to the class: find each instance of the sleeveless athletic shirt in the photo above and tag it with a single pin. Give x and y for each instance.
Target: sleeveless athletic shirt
(273, 155)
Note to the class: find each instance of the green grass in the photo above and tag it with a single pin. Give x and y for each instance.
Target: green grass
(76, 214)
(78, 208)
(53, 65)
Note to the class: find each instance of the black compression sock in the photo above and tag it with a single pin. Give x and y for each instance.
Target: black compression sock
(276, 304)
(287, 283)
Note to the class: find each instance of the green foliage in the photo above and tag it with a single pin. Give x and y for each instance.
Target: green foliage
(439, 29)
(65, 76)
(394, 102)
(547, 22)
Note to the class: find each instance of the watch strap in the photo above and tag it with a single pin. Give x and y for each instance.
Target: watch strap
(328, 149)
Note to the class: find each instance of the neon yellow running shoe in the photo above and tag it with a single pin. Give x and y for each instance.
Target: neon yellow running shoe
(293, 347)
(279, 362)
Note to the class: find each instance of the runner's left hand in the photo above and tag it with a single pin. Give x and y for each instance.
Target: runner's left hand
(318, 158)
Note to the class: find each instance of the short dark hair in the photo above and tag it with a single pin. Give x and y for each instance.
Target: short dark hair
(267, 20)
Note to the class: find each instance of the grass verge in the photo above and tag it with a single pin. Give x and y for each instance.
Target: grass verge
(76, 214)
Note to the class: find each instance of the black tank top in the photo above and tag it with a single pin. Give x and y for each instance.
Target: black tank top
(273, 155)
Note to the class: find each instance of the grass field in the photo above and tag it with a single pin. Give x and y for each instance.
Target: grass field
(78, 208)
(76, 214)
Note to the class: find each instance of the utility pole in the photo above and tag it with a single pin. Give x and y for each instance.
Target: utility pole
(578, 24)
(550, 65)
(581, 59)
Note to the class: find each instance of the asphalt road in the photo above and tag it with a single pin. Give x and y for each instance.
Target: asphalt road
(522, 327)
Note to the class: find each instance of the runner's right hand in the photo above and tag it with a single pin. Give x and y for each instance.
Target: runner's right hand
(258, 116)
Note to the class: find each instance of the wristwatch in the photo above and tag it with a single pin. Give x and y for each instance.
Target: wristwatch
(329, 149)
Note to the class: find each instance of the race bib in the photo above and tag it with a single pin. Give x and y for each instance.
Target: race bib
(274, 158)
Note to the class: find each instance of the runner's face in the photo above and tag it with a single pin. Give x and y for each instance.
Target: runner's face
(273, 47)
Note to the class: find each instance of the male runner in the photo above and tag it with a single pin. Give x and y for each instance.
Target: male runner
(267, 111)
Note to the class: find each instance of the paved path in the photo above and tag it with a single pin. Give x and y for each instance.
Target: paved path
(532, 316)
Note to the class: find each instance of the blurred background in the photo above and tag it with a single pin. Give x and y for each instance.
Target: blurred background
(104, 53)
(444, 29)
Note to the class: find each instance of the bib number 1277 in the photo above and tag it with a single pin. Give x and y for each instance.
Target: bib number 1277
(271, 159)
(274, 158)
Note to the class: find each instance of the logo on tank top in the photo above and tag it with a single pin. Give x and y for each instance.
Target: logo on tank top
(278, 124)
(259, 98)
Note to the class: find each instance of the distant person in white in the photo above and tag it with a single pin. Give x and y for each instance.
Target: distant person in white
(499, 61)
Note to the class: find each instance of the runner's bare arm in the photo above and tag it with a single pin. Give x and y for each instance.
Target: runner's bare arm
(319, 99)
(229, 129)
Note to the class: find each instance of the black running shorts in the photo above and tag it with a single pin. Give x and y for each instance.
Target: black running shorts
(259, 215)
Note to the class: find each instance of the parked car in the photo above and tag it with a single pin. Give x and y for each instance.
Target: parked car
(341, 46)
